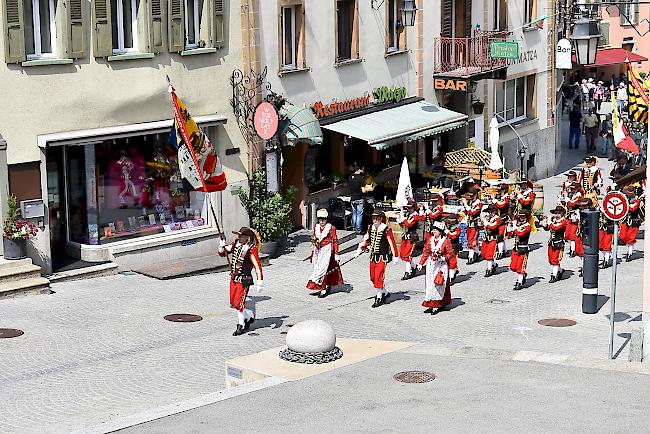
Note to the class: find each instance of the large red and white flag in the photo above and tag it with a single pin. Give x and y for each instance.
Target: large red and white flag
(622, 140)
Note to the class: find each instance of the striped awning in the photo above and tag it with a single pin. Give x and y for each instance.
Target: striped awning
(299, 124)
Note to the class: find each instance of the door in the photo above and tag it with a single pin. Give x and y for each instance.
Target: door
(56, 205)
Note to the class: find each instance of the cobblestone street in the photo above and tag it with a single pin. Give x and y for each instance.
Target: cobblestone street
(100, 349)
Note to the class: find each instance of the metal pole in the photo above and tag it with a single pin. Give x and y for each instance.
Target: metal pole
(612, 297)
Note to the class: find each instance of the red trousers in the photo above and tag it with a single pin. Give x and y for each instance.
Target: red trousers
(580, 248)
(628, 234)
(488, 248)
(238, 293)
(502, 230)
(571, 231)
(406, 250)
(518, 262)
(605, 241)
(453, 262)
(472, 237)
(555, 256)
(377, 271)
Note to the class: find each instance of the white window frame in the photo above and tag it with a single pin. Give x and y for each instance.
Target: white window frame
(502, 115)
(630, 12)
(293, 64)
(36, 25)
(120, 27)
(197, 26)
(394, 26)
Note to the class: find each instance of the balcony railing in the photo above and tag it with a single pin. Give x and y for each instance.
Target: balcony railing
(465, 57)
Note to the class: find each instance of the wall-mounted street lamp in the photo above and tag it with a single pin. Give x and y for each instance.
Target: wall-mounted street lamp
(408, 12)
(585, 38)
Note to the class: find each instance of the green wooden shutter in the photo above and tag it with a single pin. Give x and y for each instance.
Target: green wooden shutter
(176, 26)
(467, 21)
(14, 32)
(218, 34)
(155, 26)
(636, 14)
(103, 37)
(447, 19)
(76, 34)
(604, 34)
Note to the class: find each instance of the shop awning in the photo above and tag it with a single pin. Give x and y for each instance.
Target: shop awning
(613, 56)
(299, 123)
(406, 123)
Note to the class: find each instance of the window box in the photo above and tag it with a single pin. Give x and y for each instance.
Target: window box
(47, 61)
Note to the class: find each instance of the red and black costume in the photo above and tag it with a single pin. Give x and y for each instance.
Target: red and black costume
(327, 271)
(473, 211)
(503, 208)
(573, 223)
(557, 227)
(453, 235)
(520, 251)
(630, 225)
(380, 243)
(605, 239)
(410, 223)
(245, 258)
(491, 230)
(429, 217)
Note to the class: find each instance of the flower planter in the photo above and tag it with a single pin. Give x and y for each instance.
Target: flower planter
(14, 248)
(269, 248)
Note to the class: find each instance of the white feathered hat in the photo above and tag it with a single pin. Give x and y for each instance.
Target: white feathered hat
(322, 213)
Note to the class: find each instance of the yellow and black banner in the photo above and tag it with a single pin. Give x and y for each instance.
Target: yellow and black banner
(637, 94)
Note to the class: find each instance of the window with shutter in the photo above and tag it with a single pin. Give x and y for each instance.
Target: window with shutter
(467, 23)
(40, 28)
(155, 26)
(446, 17)
(218, 33)
(176, 27)
(604, 34)
(102, 28)
(14, 34)
(76, 35)
(124, 26)
(347, 30)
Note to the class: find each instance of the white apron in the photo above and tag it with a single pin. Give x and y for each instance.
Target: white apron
(321, 256)
(433, 291)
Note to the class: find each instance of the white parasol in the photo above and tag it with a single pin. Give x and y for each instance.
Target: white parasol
(404, 190)
(495, 161)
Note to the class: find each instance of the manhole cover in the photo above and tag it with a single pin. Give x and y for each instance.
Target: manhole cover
(556, 322)
(414, 377)
(183, 317)
(10, 333)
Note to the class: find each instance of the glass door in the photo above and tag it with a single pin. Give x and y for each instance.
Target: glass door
(56, 205)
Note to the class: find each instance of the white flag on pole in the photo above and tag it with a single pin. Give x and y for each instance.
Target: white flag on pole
(404, 190)
(495, 160)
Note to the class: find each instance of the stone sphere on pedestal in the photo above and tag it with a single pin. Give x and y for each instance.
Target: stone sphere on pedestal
(311, 336)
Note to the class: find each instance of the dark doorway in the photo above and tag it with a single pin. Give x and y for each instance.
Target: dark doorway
(56, 206)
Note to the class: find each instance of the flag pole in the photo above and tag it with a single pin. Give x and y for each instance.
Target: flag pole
(186, 139)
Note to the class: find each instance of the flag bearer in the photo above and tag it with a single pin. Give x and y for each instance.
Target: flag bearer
(410, 221)
(380, 243)
(473, 206)
(491, 223)
(324, 256)
(521, 229)
(436, 255)
(556, 225)
(502, 201)
(632, 222)
(245, 259)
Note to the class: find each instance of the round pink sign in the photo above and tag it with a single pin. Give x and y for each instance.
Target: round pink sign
(266, 120)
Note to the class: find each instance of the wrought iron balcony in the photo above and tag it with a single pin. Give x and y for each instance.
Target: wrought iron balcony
(466, 57)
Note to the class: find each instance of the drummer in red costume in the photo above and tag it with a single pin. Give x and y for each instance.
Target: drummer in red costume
(472, 206)
(525, 199)
(521, 230)
(605, 240)
(502, 201)
(556, 225)
(324, 257)
(491, 223)
(436, 255)
(432, 214)
(453, 234)
(630, 225)
(245, 259)
(573, 206)
(380, 243)
(410, 221)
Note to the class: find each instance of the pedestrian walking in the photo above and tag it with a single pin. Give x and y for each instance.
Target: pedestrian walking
(432, 213)
(453, 234)
(491, 223)
(358, 188)
(520, 229)
(584, 89)
(556, 225)
(575, 130)
(436, 255)
(607, 137)
(599, 95)
(245, 259)
(472, 206)
(409, 219)
(631, 223)
(621, 99)
(502, 202)
(379, 241)
(605, 240)
(324, 257)
(591, 124)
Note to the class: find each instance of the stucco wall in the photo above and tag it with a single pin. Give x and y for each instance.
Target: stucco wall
(617, 32)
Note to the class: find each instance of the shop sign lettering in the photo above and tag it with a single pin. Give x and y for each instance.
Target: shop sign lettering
(524, 56)
(443, 84)
(321, 110)
(385, 94)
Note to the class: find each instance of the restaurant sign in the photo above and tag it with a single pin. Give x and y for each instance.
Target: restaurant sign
(379, 96)
(504, 50)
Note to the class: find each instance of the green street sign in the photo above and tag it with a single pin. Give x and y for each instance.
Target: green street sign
(504, 50)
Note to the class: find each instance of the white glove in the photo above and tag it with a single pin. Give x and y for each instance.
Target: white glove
(419, 267)
(358, 253)
(337, 259)
(259, 286)
(222, 244)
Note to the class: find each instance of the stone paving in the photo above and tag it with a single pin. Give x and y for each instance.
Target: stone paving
(99, 349)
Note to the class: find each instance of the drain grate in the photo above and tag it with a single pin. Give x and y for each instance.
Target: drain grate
(183, 317)
(556, 322)
(414, 377)
(10, 333)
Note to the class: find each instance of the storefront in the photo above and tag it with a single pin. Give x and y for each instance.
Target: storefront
(114, 190)
(375, 130)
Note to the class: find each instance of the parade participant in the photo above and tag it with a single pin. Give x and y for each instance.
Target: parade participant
(245, 259)
(573, 206)
(566, 187)
(521, 230)
(502, 201)
(579, 246)
(556, 225)
(525, 199)
(605, 239)
(491, 223)
(409, 219)
(381, 245)
(632, 222)
(590, 177)
(473, 206)
(453, 235)
(437, 253)
(432, 214)
(324, 256)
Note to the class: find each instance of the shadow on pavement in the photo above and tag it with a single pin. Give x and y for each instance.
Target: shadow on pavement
(396, 296)
(271, 322)
(627, 337)
(463, 277)
(602, 300)
(532, 281)
(456, 302)
(535, 246)
(619, 316)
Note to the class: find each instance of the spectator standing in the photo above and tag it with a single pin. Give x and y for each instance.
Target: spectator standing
(621, 98)
(584, 89)
(607, 137)
(591, 123)
(575, 121)
(356, 184)
(599, 95)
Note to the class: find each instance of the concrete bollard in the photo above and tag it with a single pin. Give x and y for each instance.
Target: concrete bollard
(636, 345)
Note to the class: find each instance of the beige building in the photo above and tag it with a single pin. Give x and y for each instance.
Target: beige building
(87, 121)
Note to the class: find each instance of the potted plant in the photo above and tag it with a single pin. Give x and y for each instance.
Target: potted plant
(336, 179)
(268, 211)
(16, 232)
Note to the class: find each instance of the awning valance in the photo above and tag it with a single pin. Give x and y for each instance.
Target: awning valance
(299, 123)
(613, 56)
(406, 123)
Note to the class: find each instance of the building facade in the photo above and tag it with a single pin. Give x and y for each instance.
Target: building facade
(88, 120)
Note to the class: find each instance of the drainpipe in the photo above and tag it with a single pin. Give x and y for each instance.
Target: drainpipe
(4, 181)
(521, 151)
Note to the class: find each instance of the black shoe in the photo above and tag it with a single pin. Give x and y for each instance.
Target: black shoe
(385, 297)
(572, 254)
(407, 276)
(553, 278)
(488, 273)
(378, 302)
(239, 331)
(523, 281)
(602, 265)
(436, 311)
(628, 258)
(451, 280)
(494, 269)
(324, 294)
(429, 310)
(610, 263)
(470, 261)
(248, 322)
(579, 272)
(517, 286)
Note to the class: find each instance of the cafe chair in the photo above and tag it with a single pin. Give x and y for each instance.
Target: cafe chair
(339, 212)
